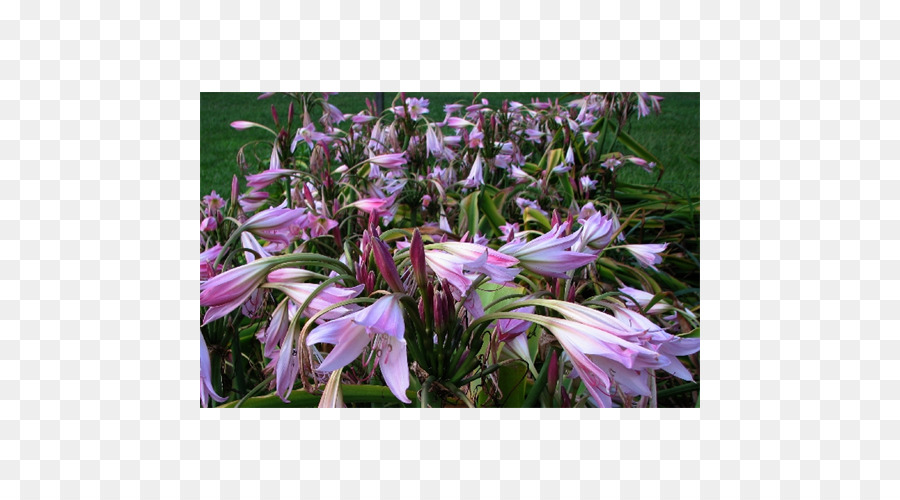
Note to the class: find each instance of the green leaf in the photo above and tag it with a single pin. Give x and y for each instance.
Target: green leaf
(301, 399)
(468, 216)
(537, 217)
(637, 148)
(511, 379)
(490, 211)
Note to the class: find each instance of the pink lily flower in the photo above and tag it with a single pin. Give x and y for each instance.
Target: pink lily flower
(433, 145)
(472, 251)
(333, 113)
(647, 255)
(248, 241)
(243, 125)
(207, 259)
(320, 225)
(476, 175)
(417, 107)
(587, 184)
(595, 234)
(378, 205)
(642, 163)
(362, 118)
(287, 368)
(279, 225)
(309, 135)
(479, 259)
(213, 203)
(253, 200)
(275, 332)
(206, 388)
(457, 123)
(290, 275)
(643, 298)
(596, 381)
(668, 346)
(391, 160)
(300, 292)
(267, 177)
(452, 108)
(227, 291)
(548, 254)
(352, 333)
(208, 224)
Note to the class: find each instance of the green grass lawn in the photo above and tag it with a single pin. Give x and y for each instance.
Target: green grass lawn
(673, 136)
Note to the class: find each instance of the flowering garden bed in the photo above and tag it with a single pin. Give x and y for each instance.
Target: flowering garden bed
(479, 255)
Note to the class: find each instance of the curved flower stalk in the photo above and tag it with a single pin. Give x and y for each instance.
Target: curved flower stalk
(352, 333)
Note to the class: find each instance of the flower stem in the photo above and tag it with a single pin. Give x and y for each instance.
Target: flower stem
(236, 361)
(538, 387)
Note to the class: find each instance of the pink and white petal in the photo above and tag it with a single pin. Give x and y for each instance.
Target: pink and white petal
(395, 367)
(350, 345)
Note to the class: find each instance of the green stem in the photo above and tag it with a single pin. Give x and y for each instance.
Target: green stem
(254, 391)
(693, 386)
(538, 386)
(426, 387)
(299, 398)
(237, 361)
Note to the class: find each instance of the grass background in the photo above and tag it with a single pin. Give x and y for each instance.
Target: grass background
(673, 136)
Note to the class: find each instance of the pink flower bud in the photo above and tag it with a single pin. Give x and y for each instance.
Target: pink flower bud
(417, 258)
(385, 262)
(553, 376)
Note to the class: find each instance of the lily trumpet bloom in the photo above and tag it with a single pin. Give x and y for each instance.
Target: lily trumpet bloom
(287, 367)
(277, 224)
(227, 291)
(380, 205)
(476, 175)
(207, 260)
(596, 233)
(548, 255)
(300, 292)
(352, 333)
(391, 160)
(647, 255)
(206, 388)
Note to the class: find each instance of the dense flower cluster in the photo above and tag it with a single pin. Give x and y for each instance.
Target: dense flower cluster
(485, 259)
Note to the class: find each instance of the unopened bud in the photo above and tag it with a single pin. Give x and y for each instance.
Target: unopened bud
(385, 263)
(417, 258)
(274, 115)
(553, 376)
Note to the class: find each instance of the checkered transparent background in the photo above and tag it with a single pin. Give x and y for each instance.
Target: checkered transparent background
(99, 184)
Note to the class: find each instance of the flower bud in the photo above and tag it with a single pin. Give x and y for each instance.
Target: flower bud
(417, 257)
(274, 115)
(234, 191)
(553, 376)
(385, 263)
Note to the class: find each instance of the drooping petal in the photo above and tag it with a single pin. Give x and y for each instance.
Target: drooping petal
(349, 339)
(395, 366)
(384, 316)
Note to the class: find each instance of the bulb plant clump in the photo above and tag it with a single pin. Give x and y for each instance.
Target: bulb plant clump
(479, 255)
